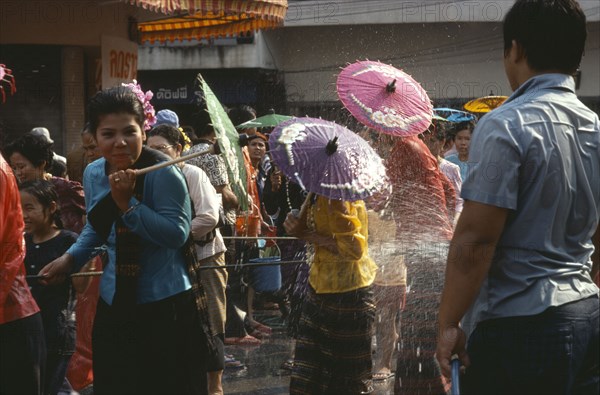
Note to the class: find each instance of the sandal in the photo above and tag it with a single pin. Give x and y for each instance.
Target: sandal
(232, 363)
(287, 365)
(382, 376)
(242, 341)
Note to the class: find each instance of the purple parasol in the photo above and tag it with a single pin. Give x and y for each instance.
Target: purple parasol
(327, 159)
(385, 98)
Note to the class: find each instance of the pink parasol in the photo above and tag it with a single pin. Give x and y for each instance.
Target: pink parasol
(385, 98)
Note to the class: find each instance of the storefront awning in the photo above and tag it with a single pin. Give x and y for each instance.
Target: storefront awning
(205, 19)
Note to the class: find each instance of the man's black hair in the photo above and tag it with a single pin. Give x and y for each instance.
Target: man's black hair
(551, 32)
(241, 114)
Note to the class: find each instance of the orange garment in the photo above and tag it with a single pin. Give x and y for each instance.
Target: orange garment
(15, 298)
(80, 372)
(251, 183)
(421, 194)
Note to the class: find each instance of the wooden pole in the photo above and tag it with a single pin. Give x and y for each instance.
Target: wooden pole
(161, 165)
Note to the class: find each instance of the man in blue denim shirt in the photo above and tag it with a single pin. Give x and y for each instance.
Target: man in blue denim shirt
(519, 268)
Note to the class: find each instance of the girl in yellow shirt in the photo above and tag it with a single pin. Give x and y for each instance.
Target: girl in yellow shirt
(333, 350)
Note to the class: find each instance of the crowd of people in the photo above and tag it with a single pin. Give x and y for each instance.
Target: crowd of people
(480, 250)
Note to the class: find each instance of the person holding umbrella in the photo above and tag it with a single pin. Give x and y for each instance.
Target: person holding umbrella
(422, 202)
(340, 286)
(333, 348)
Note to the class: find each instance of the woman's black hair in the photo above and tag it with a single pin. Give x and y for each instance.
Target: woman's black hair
(116, 100)
(552, 33)
(34, 148)
(86, 129)
(169, 133)
(191, 133)
(45, 193)
(58, 169)
(202, 125)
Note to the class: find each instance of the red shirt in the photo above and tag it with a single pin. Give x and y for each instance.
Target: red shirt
(15, 299)
(421, 194)
(72, 203)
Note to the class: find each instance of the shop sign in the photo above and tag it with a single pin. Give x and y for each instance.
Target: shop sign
(119, 61)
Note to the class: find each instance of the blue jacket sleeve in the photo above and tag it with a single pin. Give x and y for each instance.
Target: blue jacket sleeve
(164, 216)
(86, 247)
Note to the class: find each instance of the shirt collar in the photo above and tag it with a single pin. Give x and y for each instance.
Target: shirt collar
(544, 82)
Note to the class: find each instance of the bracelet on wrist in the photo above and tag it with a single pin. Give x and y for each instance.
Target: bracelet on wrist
(130, 209)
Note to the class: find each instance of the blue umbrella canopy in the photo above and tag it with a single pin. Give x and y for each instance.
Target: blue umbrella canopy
(454, 115)
(327, 159)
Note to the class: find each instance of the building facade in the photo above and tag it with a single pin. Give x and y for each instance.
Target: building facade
(454, 49)
(54, 50)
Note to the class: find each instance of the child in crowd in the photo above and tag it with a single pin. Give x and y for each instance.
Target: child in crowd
(45, 241)
(462, 140)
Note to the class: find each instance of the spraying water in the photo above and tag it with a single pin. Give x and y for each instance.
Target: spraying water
(409, 242)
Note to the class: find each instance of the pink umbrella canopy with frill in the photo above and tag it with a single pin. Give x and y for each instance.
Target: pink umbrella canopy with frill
(384, 98)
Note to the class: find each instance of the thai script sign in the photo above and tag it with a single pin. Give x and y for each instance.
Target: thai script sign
(175, 94)
(119, 61)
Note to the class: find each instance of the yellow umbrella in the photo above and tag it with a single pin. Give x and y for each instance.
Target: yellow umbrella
(484, 104)
(205, 19)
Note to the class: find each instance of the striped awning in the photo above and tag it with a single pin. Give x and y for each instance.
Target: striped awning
(205, 19)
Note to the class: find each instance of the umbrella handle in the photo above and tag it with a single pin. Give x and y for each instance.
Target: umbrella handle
(161, 165)
(455, 366)
(305, 205)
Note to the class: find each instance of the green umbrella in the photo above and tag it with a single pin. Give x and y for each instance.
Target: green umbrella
(227, 138)
(266, 121)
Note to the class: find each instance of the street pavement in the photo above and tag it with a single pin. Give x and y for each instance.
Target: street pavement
(262, 373)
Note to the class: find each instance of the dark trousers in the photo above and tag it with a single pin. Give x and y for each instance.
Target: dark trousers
(555, 352)
(56, 370)
(234, 322)
(22, 356)
(155, 349)
(235, 298)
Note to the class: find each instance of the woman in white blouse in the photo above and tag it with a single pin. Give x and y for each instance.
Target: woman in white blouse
(207, 237)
